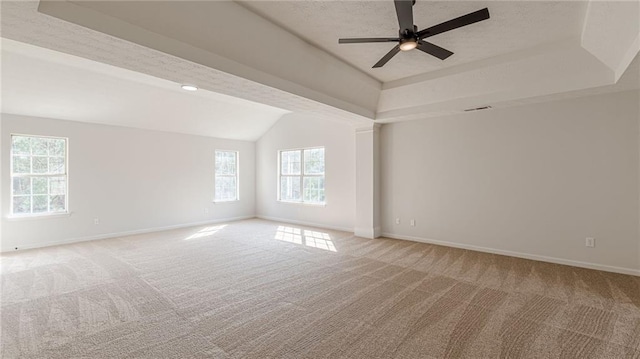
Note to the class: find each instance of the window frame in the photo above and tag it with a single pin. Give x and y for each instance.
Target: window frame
(237, 177)
(302, 176)
(47, 214)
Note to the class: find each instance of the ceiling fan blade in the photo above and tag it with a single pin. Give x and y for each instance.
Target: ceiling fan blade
(461, 21)
(404, 9)
(434, 50)
(387, 57)
(370, 39)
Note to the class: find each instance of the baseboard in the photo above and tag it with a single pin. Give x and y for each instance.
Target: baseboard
(371, 232)
(122, 234)
(302, 223)
(534, 257)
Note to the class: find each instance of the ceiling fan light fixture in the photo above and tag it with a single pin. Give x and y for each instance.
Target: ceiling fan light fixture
(407, 45)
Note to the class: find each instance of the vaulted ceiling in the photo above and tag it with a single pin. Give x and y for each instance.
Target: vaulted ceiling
(45, 83)
(285, 54)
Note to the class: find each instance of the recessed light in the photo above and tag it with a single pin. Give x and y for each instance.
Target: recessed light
(189, 88)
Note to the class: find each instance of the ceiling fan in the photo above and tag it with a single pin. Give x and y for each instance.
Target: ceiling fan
(410, 38)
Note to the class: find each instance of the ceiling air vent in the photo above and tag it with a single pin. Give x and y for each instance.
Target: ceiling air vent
(478, 108)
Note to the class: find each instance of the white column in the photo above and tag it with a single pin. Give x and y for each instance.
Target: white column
(367, 222)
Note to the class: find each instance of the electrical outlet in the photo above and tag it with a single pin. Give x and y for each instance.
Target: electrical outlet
(96, 221)
(413, 223)
(206, 210)
(397, 220)
(590, 242)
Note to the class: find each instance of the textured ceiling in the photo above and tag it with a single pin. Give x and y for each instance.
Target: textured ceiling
(547, 59)
(50, 84)
(514, 25)
(21, 21)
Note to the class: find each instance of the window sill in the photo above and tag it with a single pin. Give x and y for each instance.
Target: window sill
(224, 202)
(304, 203)
(37, 216)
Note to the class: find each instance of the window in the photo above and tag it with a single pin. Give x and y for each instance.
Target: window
(226, 178)
(302, 176)
(38, 175)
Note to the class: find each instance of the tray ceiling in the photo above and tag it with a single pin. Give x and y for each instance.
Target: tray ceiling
(285, 54)
(513, 26)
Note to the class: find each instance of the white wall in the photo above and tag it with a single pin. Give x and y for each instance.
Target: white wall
(367, 219)
(535, 180)
(297, 131)
(130, 179)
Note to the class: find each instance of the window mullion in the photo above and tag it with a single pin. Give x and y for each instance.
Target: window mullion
(31, 199)
(30, 195)
(40, 175)
(302, 176)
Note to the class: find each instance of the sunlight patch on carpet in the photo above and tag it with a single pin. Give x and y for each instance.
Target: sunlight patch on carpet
(205, 232)
(308, 238)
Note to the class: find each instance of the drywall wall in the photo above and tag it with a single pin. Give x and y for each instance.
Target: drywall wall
(2, 180)
(130, 179)
(300, 131)
(367, 219)
(534, 180)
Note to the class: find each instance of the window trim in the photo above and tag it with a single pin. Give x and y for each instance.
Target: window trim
(237, 176)
(41, 215)
(301, 175)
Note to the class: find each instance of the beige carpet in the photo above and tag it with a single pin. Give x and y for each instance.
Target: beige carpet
(259, 289)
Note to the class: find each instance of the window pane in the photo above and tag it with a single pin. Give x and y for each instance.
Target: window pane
(39, 146)
(21, 145)
(56, 165)
(56, 147)
(40, 165)
(290, 162)
(57, 185)
(21, 164)
(56, 203)
(290, 188)
(21, 204)
(231, 163)
(225, 188)
(314, 161)
(226, 162)
(22, 185)
(230, 189)
(40, 204)
(40, 185)
(314, 189)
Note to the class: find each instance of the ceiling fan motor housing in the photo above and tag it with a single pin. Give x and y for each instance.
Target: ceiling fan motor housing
(408, 34)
